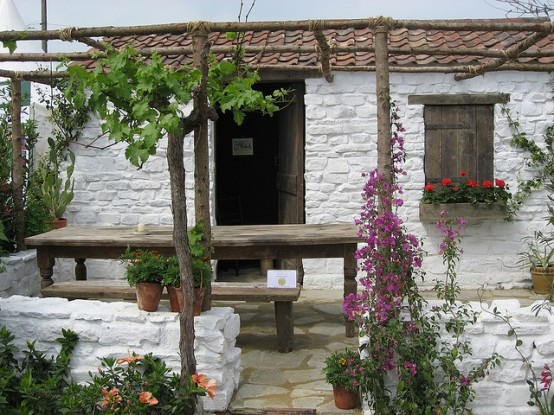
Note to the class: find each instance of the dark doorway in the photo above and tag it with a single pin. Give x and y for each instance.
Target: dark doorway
(259, 165)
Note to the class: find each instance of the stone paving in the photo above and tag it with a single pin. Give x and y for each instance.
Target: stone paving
(289, 380)
(295, 380)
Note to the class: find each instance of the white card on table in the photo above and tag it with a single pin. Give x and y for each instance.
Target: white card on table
(281, 278)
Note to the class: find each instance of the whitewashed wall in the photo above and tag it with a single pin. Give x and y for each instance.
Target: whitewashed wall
(116, 329)
(341, 134)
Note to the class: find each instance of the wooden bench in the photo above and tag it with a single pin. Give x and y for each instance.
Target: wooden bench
(223, 291)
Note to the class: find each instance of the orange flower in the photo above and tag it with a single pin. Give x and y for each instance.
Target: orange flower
(203, 382)
(147, 398)
(128, 359)
(110, 398)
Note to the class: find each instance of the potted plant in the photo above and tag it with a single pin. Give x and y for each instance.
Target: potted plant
(201, 270)
(539, 258)
(343, 370)
(145, 271)
(54, 192)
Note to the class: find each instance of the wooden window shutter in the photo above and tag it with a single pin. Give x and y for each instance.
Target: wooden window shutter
(458, 137)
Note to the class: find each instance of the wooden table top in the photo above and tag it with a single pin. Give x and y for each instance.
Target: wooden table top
(222, 236)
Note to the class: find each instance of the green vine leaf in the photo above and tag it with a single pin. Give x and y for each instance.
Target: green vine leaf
(11, 45)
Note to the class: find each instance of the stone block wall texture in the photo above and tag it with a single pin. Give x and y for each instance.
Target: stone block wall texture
(21, 276)
(116, 329)
(340, 144)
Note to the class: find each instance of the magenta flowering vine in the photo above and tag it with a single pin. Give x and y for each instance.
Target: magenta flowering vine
(408, 367)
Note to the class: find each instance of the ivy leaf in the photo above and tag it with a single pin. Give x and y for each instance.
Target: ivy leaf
(10, 45)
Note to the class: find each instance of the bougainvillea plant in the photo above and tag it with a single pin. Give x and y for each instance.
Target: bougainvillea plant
(467, 191)
(409, 368)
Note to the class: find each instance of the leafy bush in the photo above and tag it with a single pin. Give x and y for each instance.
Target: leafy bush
(40, 385)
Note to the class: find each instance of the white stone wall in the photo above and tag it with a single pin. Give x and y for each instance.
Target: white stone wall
(504, 390)
(116, 329)
(341, 135)
(21, 276)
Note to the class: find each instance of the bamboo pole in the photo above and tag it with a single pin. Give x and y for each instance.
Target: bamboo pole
(18, 147)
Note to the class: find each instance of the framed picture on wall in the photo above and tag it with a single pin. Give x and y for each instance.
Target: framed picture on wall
(243, 146)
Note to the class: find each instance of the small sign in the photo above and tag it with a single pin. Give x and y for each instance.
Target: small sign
(243, 146)
(281, 278)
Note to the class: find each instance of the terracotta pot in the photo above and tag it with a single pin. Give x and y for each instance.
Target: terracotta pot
(177, 301)
(542, 280)
(149, 295)
(344, 398)
(57, 223)
(198, 300)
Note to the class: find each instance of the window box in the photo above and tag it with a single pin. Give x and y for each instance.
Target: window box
(469, 211)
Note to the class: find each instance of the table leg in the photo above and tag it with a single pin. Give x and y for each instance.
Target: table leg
(350, 284)
(285, 326)
(46, 267)
(80, 269)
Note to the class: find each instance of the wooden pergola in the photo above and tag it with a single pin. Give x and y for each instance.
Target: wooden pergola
(521, 56)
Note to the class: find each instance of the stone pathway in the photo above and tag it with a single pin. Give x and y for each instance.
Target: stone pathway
(289, 380)
(295, 380)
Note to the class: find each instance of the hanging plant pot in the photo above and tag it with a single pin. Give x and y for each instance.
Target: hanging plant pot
(542, 280)
(344, 398)
(148, 295)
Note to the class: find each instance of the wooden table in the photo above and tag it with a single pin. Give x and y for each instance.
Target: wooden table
(295, 241)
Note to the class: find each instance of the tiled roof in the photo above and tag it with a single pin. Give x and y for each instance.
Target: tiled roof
(408, 40)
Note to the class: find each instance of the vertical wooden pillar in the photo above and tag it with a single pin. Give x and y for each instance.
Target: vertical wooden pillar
(201, 143)
(18, 146)
(384, 155)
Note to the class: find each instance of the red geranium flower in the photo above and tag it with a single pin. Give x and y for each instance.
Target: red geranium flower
(472, 183)
(429, 188)
(446, 182)
(500, 183)
(487, 184)
(463, 172)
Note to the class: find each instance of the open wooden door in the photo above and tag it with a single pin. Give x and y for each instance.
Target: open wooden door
(290, 173)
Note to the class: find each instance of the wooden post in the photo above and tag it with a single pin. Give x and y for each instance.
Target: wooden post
(18, 146)
(201, 146)
(384, 155)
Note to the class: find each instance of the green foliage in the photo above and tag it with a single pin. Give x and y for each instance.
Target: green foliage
(135, 385)
(539, 252)
(140, 99)
(150, 266)
(144, 266)
(54, 192)
(11, 45)
(540, 160)
(35, 213)
(40, 385)
(343, 368)
(35, 384)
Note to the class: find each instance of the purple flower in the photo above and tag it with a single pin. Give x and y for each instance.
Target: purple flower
(465, 381)
(411, 367)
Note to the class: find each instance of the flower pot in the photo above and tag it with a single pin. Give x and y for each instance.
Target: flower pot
(344, 398)
(472, 212)
(542, 280)
(198, 300)
(57, 223)
(177, 301)
(148, 295)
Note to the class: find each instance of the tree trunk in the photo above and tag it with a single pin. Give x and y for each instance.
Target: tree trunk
(179, 204)
(18, 145)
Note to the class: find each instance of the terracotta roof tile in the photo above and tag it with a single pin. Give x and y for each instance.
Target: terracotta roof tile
(398, 38)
